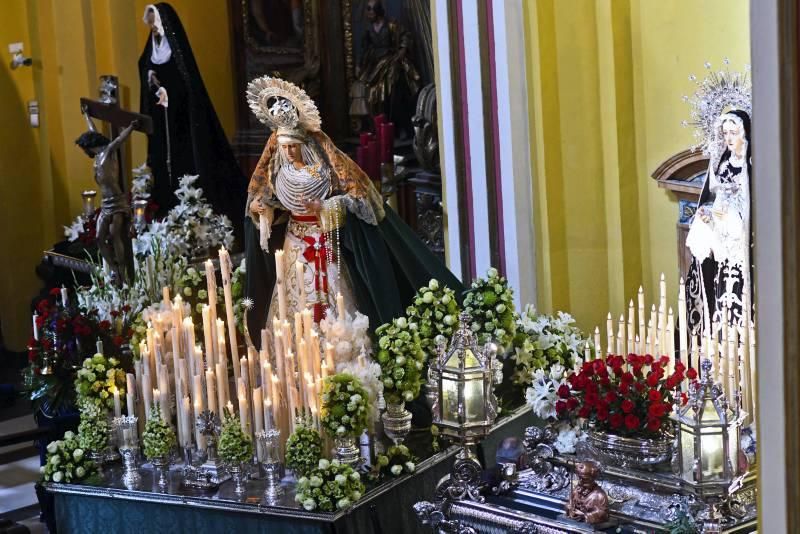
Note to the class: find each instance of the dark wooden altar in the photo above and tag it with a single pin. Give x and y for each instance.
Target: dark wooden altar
(683, 174)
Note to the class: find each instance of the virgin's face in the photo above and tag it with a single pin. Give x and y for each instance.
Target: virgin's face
(734, 137)
(292, 152)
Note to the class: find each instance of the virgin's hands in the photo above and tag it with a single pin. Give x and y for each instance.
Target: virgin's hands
(257, 207)
(313, 206)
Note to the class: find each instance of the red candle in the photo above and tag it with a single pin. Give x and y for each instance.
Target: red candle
(379, 120)
(375, 159)
(364, 138)
(360, 156)
(367, 159)
(387, 142)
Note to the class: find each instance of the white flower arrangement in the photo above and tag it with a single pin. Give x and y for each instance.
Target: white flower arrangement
(66, 461)
(490, 303)
(332, 486)
(142, 182)
(74, 230)
(542, 396)
(369, 374)
(190, 227)
(543, 341)
(347, 333)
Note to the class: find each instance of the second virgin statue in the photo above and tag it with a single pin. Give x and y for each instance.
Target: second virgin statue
(310, 200)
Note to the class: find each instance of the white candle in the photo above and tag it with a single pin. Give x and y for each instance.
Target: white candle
(610, 334)
(324, 370)
(208, 336)
(301, 285)
(598, 349)
(683, 334)
(199, 438)
(211, 391)
(189, 343)
(131, 403)
(165, 296)
(130, 388)
(642, 321)
(670, 339)
(222, 379)
(225, 267)
(258, 410)
(268, 413)
(631, 327)
(662, 308)
(186, 419)
(621, 336)
(229, 407)
(147, 393)
(340, 311)
(221, 345)
(211, 286)
(35, 326)
(243, 415)
(280, 276)
(117, 404)
(64, 297)
(329, 359)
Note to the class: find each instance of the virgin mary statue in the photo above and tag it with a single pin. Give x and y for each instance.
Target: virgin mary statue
(719, 280)
(310, 201)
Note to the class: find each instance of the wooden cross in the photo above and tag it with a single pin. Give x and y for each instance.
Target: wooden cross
(118, 118)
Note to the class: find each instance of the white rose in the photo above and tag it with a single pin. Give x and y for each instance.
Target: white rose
(400, 360)
(69, 434)
(58, 476)
(355, 495)
(324, 464)
(343, 503)
(52, 447)
(341, 430)
(298, 497)
(401, 322)
(315, 482)
(55, 460)
(410, 467)
(302, 480)
(309, 504)
(355, 475)
(433, 284)
(80, 472)
(41, 469)
(491, 273)
(427, 298)
(77, 454)
(396, 469)
(341, 479)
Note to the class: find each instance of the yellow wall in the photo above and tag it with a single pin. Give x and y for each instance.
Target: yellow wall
(605, 81)
(42, 173)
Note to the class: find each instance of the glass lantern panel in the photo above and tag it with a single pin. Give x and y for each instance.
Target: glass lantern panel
(733, 451)
(712, 454)
(710, 414)
(475, 400)
(453, 362)
(470, 360)
(449, 401)
(687, 454)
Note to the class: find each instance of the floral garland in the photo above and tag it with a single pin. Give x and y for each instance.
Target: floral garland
(97, 379)
(543, 341)
(158, 437)
(490, 303)
(303, 450)
(93, 428)
(630, 396)
(344, 406)
(401, 359)
(235, 447)
(398, 460)
(66, 461)
(435, 311)
(331, 486)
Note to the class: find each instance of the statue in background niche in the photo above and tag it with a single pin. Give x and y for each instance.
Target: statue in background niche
(386, 74)
(113, 223)
(719, 235)
(187, 136)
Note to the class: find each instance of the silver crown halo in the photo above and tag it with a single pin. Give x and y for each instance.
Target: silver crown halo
(719, 92)
(290, 108)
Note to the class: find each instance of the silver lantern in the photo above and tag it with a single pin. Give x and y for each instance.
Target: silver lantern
(461, 382)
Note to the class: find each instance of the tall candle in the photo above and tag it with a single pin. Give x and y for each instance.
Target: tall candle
(598, 349)
(683, 333)
(642, 320)
(244, 416)
(662, 309)
(308, 325)
(329, 357)
(280, 274)
(189, 341)
(315, 356)
(610, 334)
(130, 388)
(324, 370)
(266, 382)
(165, 296)
(146, 395)
(211, 285)
(587, 354)
(64, 297)
(670, 339)
(621, 336)
(35, 326)
(208, 337)
(211, 391)
(277, 340)
(258, 410)
(186, 420)
(653, 325)
(117, 403)
(199, 438)
(631, 327)
(225, 266)
(301, 285)
(340, 311)
(222, 389)
(131, 403)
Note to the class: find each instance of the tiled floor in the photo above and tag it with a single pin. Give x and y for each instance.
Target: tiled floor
(16, 484)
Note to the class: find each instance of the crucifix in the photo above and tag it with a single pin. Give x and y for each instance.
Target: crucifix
(114, 221)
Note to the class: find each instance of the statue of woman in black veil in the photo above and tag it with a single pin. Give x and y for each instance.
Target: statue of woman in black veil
(187, 136)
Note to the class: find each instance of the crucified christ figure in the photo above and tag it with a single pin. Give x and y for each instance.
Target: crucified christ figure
(114, 220)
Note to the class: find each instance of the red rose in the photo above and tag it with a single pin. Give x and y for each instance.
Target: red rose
(652, 379)
(114, 314)
(679, 367)
(624, 388)
(616, 420)
(672, 382)
(691, 373)
(631, 422)
(653, 425)
(684, 399)
(561, 407)
(117, 340)
(658, 410)
(627, 406)
(664, 360)
(126, 308)
(563, 391)
(599, 366)
(610, 397)
(591, 398)
(602, 413)
(627, 378)
(572, 403)
(639, 387)
(584, 412)
(105, 325)
(580, 382)
(648, 359)
(654, 395)
(618, 371)
(31, 356)
(615, 362)
(55, 292)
